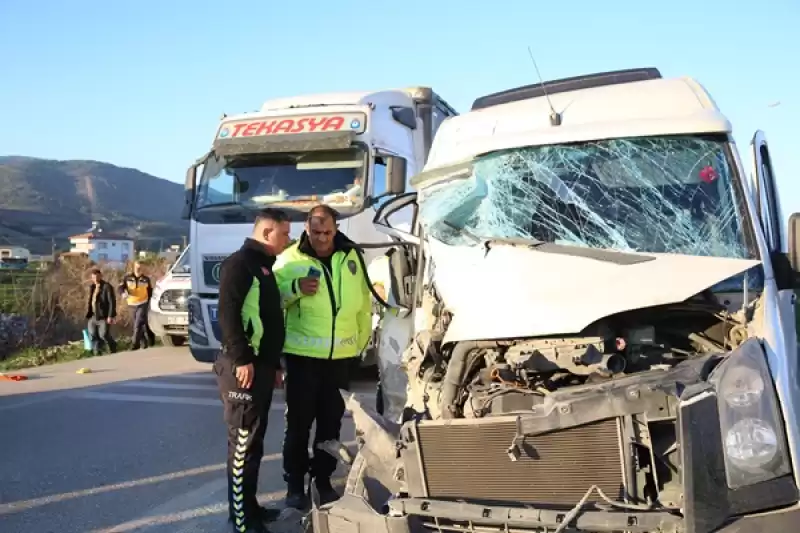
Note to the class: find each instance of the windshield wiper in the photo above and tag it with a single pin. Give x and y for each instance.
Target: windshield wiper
(598, 254)
(462, 231)
(221, 204)
(611, 256)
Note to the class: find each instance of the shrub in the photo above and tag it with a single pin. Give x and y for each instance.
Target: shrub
(53, 302)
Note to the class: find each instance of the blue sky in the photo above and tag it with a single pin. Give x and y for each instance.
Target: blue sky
(142, 84)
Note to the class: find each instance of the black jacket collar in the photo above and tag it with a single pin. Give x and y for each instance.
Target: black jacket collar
(254, 245)
(340, 243)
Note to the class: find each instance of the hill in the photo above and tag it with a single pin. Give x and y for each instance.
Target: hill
(44, 201)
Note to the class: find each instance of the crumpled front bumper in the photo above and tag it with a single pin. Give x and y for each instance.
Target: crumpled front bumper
(352, 514)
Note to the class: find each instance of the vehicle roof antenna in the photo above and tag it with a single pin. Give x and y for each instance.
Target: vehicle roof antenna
(555, 116)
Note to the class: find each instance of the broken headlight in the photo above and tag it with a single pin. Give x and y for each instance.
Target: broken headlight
(753, 438)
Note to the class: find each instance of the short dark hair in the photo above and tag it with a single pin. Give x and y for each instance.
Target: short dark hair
(270, 213)
(322, 211)
(97, 272)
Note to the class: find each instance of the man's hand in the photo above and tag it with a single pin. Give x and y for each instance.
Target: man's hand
(244, 375)
(308, 285)
(111, 320)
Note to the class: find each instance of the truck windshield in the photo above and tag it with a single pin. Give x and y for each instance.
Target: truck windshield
(255, 180)
(674, 194)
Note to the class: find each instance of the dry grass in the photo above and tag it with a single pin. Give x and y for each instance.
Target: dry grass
(52, 303)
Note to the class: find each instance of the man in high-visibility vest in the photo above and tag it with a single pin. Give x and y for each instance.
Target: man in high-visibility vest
(138, 290)
(328, 306)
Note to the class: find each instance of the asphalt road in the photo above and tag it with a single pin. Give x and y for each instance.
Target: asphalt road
(136, 445)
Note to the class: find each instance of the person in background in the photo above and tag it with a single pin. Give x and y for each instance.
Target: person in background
(328, 325)
(101, 313)
(252, 324)
(137, 289)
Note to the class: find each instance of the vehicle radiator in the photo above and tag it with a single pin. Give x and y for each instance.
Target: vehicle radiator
(469, 460)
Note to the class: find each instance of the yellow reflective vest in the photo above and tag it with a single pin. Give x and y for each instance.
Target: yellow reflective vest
(334, 323)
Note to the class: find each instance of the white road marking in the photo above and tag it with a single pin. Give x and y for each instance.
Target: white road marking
(146, 398)
(25, 505)
(200, 512)
(276, 406)
(189, 377)
(168, 386)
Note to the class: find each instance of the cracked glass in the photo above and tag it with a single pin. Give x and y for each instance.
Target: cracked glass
(672, 194)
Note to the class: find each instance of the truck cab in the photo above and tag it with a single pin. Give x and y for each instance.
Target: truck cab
(351, 151)
(169, 313)
(595, 315)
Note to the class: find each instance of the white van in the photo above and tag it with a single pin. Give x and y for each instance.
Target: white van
(169, 311)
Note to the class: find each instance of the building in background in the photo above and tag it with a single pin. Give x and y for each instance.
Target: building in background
(102, 247)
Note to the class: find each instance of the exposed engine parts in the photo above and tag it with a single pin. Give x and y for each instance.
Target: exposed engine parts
(480, 378)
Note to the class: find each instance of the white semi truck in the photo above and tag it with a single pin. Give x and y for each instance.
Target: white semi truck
(595, 318)
(352, 151)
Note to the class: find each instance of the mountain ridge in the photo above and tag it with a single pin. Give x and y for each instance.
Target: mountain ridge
(44, 201)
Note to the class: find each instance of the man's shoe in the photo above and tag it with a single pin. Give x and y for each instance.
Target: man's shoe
(296, 494)
(326, 492)
(253, 527)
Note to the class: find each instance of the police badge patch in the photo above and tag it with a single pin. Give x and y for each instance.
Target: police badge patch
(351, 266)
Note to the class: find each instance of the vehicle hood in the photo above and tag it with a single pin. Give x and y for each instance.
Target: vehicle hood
(172, 281)
(510, 291)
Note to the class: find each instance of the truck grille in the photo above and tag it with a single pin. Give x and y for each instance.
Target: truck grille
(470, 461)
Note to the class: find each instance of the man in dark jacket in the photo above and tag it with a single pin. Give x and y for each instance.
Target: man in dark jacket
(251, 320)
(101, 312)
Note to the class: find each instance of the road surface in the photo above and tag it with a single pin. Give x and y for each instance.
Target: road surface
(136, 445)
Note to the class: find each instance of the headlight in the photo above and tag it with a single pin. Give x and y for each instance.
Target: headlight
(741, 386)
(196, 314)
(751, 444)
(754, 441)
(173, 300)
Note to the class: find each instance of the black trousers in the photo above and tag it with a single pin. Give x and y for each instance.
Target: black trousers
(246, 415)
(100, 331)
(312, 394)
(141, 328)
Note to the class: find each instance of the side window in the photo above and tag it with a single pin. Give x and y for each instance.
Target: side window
(218, 189)
(379, 181)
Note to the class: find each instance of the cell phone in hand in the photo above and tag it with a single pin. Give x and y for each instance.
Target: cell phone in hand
(314, 273)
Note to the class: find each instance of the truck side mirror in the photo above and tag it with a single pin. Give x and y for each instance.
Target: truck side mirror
(794, 242)
(395, 175)
(189, 186)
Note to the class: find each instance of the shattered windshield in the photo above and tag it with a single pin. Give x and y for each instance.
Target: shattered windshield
(332, 177)
(656, 195)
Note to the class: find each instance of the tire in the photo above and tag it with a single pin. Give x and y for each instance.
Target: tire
(173, 341)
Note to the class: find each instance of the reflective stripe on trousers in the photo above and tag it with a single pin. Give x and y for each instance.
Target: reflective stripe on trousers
(237, 479)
